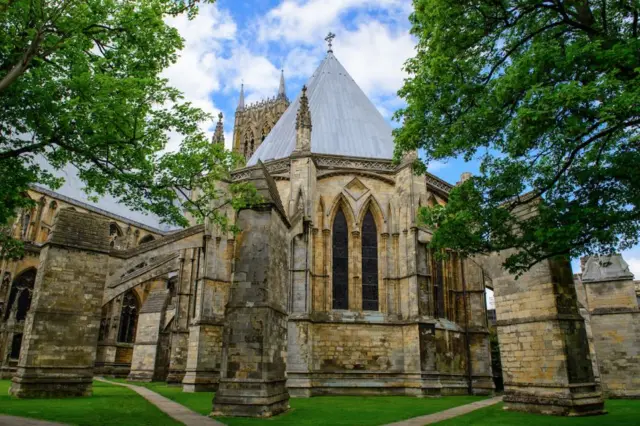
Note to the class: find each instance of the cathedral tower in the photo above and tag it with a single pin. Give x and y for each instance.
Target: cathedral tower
(254, 122)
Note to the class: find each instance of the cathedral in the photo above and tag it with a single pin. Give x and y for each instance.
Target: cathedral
(330, 287)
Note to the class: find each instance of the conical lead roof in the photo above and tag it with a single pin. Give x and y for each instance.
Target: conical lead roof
(345, 122)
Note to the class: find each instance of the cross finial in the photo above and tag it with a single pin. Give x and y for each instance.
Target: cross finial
(329, 39)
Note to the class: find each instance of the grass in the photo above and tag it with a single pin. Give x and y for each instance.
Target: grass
(333, 410)
(621, 413)
(114, 405)
(109, 405)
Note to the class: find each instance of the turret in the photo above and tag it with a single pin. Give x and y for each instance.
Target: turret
(282, 93)
(303, 124)
(241, 100)
(218, 135)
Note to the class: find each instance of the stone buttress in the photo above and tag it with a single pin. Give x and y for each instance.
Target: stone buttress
(147, 363)
(211, 297)
(61, 332)
(253, 376)
(543, 340)
(615, 324)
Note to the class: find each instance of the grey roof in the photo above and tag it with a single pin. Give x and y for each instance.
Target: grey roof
(98, 210)
(72, 191)
(344, 120)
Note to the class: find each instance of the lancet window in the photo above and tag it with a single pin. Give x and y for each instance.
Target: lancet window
(340, 262)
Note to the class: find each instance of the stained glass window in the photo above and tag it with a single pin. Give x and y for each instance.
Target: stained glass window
(369, 264)
(340, 262)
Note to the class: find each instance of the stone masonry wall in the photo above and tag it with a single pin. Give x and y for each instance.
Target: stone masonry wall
(357, 347)
(617, 342)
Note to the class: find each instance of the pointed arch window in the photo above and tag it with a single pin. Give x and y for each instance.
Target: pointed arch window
(26, 221)
(103, 333)
(128, 318)
(340, 275)
(21, 294)
(369, 263)
(16, 345)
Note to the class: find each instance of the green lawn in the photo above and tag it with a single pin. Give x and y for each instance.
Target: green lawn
(109, 405)
(333, 410)
(621, 413)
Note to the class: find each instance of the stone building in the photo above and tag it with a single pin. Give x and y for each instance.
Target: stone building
(33, 226)
(330, 288)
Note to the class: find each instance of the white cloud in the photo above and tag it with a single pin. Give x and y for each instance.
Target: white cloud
(435, 165)
(374, 55)
(259, 74)
(634, 266)
(632, 257)
(217, 57)
(195, 72)
(306, 20)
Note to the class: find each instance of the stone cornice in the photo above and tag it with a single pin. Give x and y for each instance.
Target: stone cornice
(334, 164)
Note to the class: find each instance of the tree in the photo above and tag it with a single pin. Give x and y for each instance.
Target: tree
(546, 95)
(80, 84)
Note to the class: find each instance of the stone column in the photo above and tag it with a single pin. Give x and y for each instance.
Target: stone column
(205, 332)
(543, 342)
(144, 362)
(253, 367)
(180, 329)
(61, 331)
(107, 349)
(615, 323)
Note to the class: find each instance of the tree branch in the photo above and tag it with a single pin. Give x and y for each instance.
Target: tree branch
(19, 68)
(569, 161)
(27, 148)
(518, 45)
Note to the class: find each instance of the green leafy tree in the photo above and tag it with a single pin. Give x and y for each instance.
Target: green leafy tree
(546, 95)
(80, 84)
